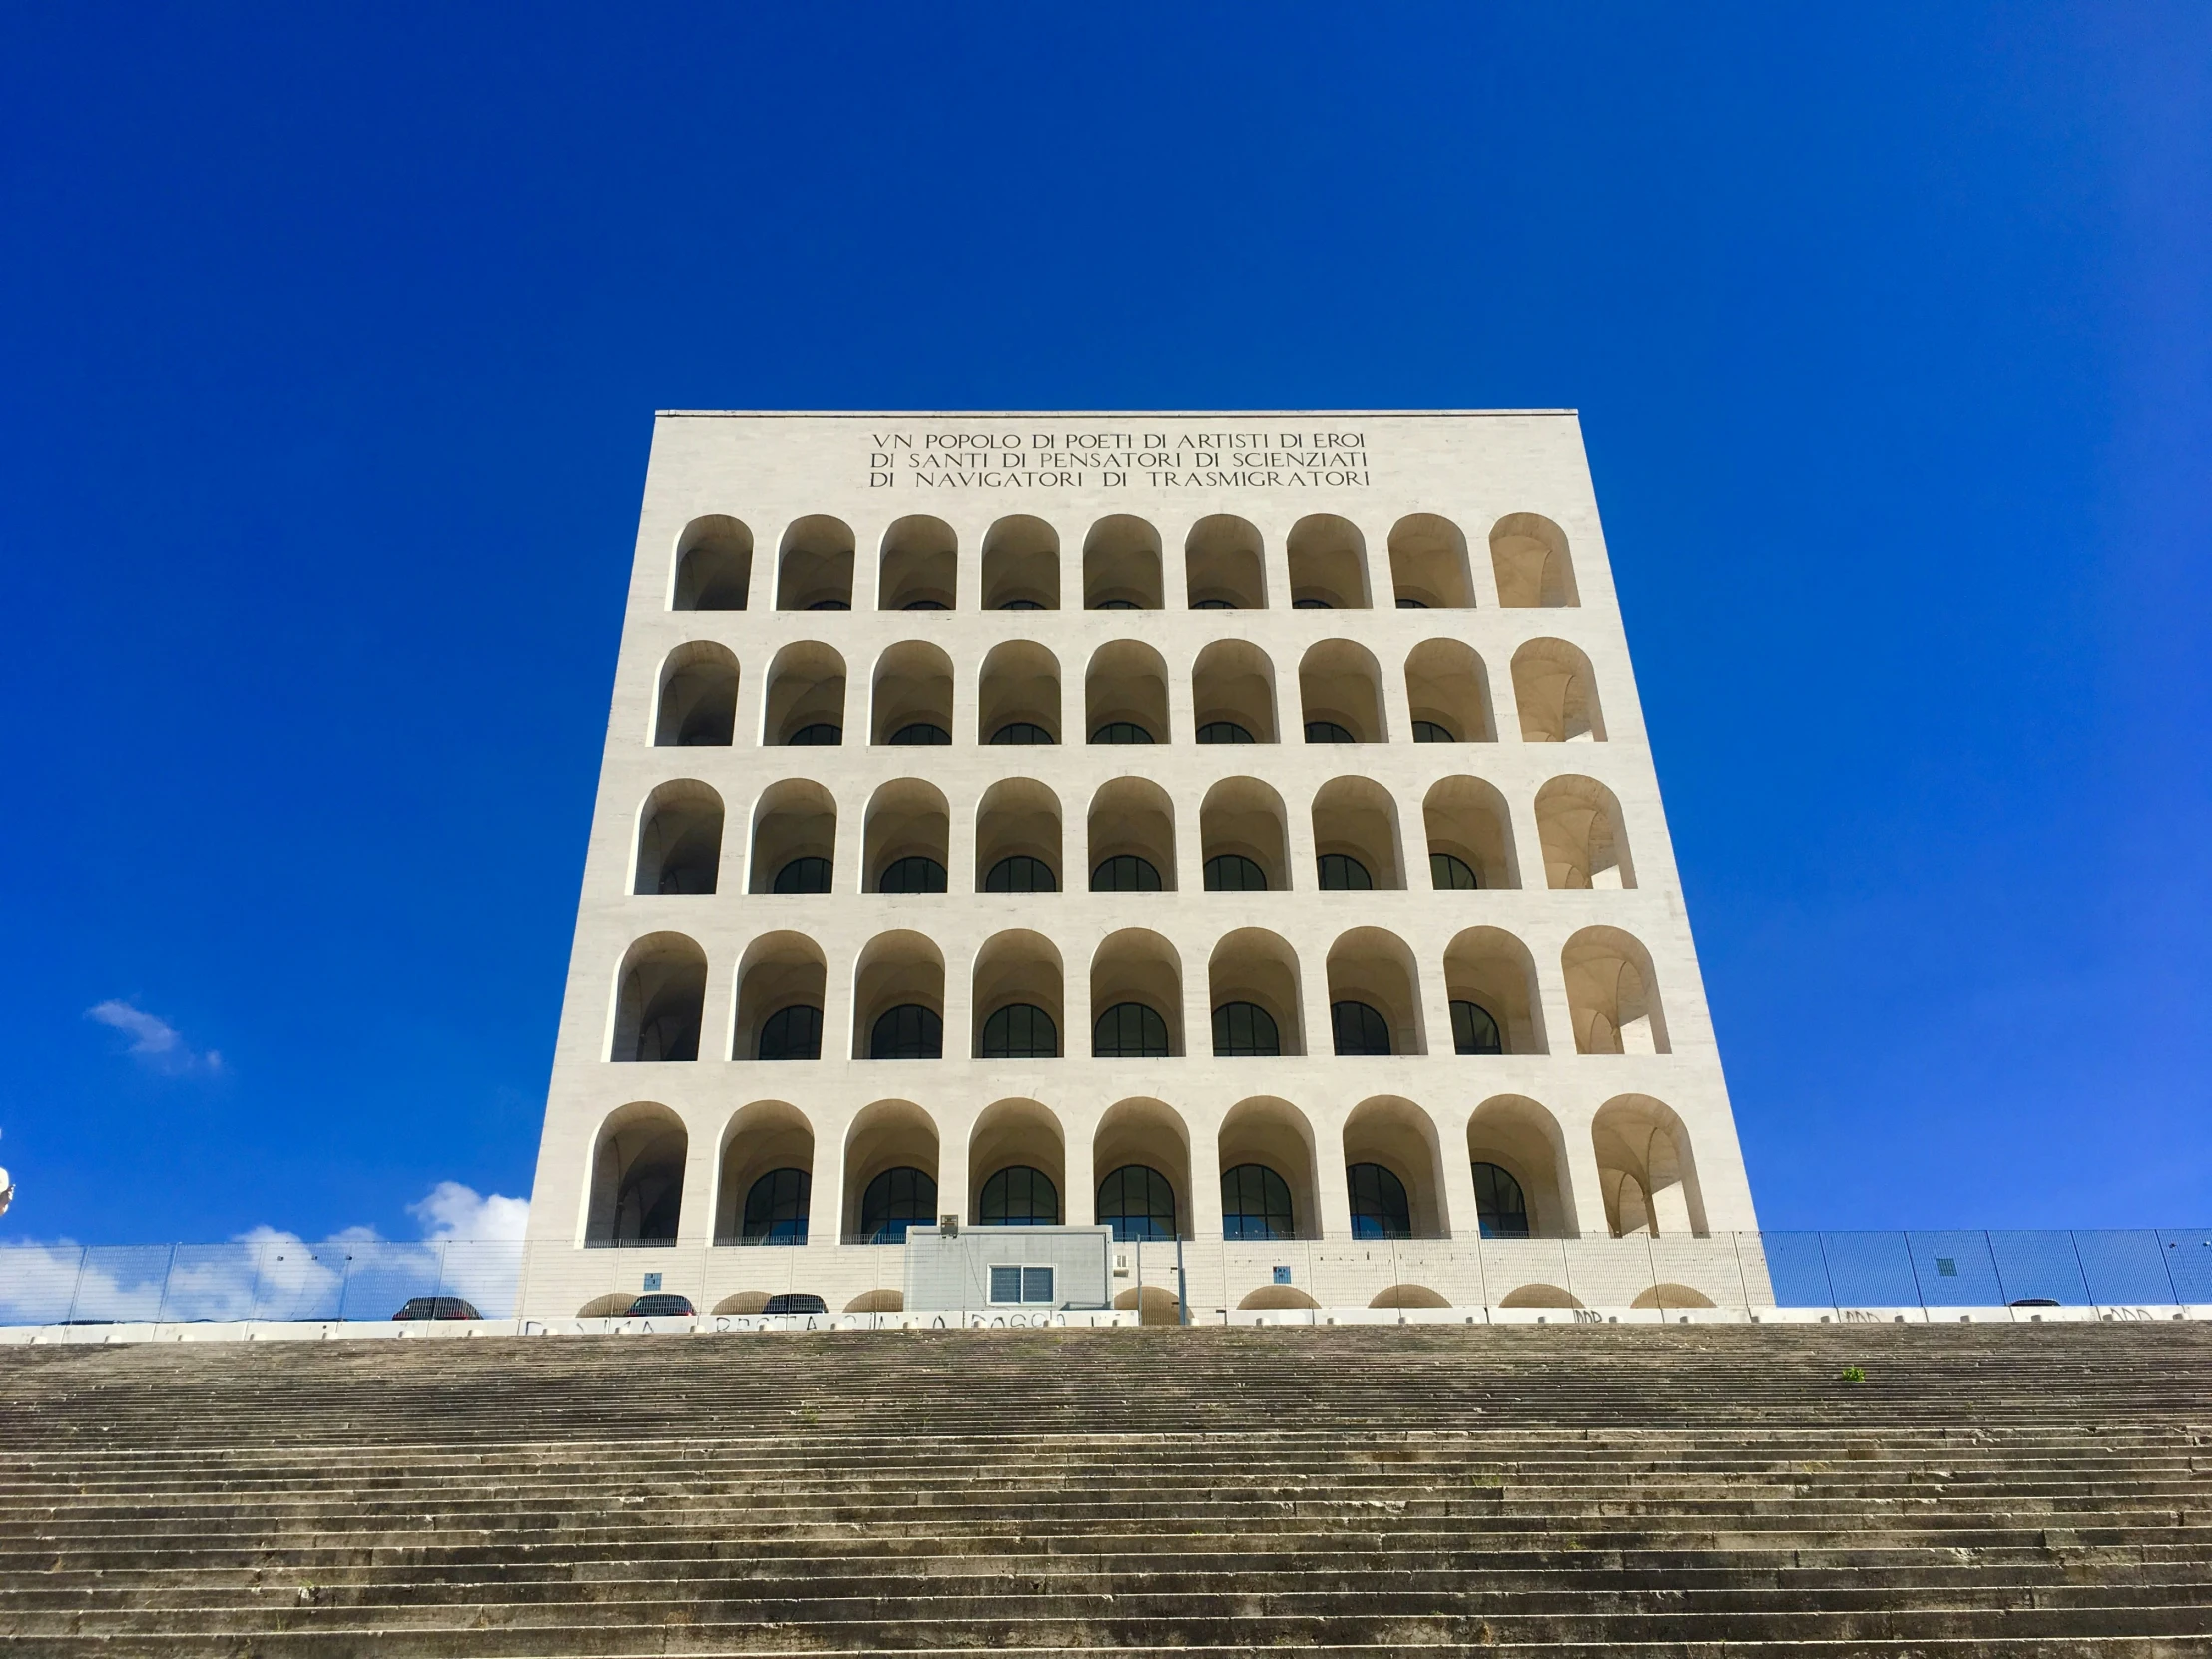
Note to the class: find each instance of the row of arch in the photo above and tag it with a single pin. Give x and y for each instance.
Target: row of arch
(1265, 1175)
(1126, 685)
(1130, 846)
(1132, 1002)
(1124, 564)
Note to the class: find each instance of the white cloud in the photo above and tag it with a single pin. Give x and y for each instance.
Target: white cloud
(154, 1041)
(451, 1210)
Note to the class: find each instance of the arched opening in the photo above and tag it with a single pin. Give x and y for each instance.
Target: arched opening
(1372, 970)
(1125, 694)
(1121, 566)
(1154, 1305)
(813, 571)
(1221, 565)
(1233, 694)
(877, 1301)
(697, 702)
(766, 1188)
(913, 695)
(1241, 833)
(1018, 1163)
(1132, 837)
(1395, 1137)
(1530, 554)
(1557, 693)
(898, 1000)
(1018, 694)
(1447, 694)
(1019, 1007)
(637, 1180)
(679, 839)
(1279, 1296)
(714, 565)
(1520, 1140)
(1328, 565)
(1142, 1152)
(1644, 1169)
(781, 981)
(1355, 837)
(795, 837)
(1410, 1295)
(1264, 1138)
(1252, 986)
(1470, 838)
(1671, 1296)
(1538, 1296)
(1579, 821)
(663, 994)
(890, 1173)
(908, 837)
(1340, 694)
(806, 697)
(1017, 838)
(1612, 994)
(1021, 565)
(1494, 974)
(1136, 997)
(1428, 564)
(921, 566)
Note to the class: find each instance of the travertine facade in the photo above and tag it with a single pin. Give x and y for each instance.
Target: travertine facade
(1382, 671)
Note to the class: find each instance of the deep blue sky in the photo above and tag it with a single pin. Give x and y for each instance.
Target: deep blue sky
(328, 346)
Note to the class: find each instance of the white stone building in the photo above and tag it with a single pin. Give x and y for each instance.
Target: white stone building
(1229, 827)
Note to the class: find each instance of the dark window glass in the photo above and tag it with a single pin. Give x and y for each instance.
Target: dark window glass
(1446, 874)
(1358, 1028)
(1429, 730)
(1311, 605)
(1137, 1202)
(915, 875)
(804, 875)
(822, 733)
(1380, 1209)
(894, 1201)
(1232, 873)
(1498, 1204)
(922, 732)
(1117, 605)
(1021, 730)
(1129, 1031)
(1223, 730)
(1327, 731)
(1342, 874)
(1019, 1197)
(1126, 873)
(925, 605)
(793, 1033)
(1121, 730)
(1405, 604)
(1021, 1031)
(829, 605)
(1212, 605)
(1254, 1204)
(1022, 874)
(907, 1032)
(1022, 605)
(775, 1208)
(1473, 1032)
(1244, 1032)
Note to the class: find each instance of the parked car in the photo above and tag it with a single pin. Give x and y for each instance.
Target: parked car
(795, 1302)
(661, 1305)
(437, 1308)
(2034, 1302)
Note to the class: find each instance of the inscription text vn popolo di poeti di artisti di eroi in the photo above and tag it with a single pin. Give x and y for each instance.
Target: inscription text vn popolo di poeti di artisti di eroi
(1278, 459)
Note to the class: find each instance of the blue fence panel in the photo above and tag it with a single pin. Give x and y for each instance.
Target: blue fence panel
(2039, 1267)
(1871, 1270)
(2189, 1262)
(119, 1283)
(1954, 1268)
(38, 1281)
(1797, 1268)
(2124, 1267)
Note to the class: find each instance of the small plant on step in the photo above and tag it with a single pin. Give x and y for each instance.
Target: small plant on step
(809, 1418)
(1853, 1374)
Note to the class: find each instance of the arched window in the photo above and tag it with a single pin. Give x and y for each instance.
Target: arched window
(1244, 1032)
(804, 875)
(793, 1033)
(1446, 874)
(1429, 730)
(925, 605)
(1121, 730)
(1129, 1031)
(894, 1201)
(1213, 604)
(1137, 1202)
(1022, 874)
(1022, 605)
(1327, 731)
(1223, 730)
(1117, 605)
(1341, 873)
(652, 1193)
(1358, 1028)
(1379, 1208)
(1410, 605)
(1254, 1204)
(821, 734)
(1126, 873)
(831, 605)
(1475, 1031)
(1232, 873)
(910, 875)
(1019, 1197)
(907, 1032)
(922, 731)
(1021, 730)
(776, 1209)
(1311, 605)
(1021, 1031)
(1499, 1203)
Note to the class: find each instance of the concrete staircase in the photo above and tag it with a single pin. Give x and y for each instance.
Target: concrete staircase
(1987, 1490)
